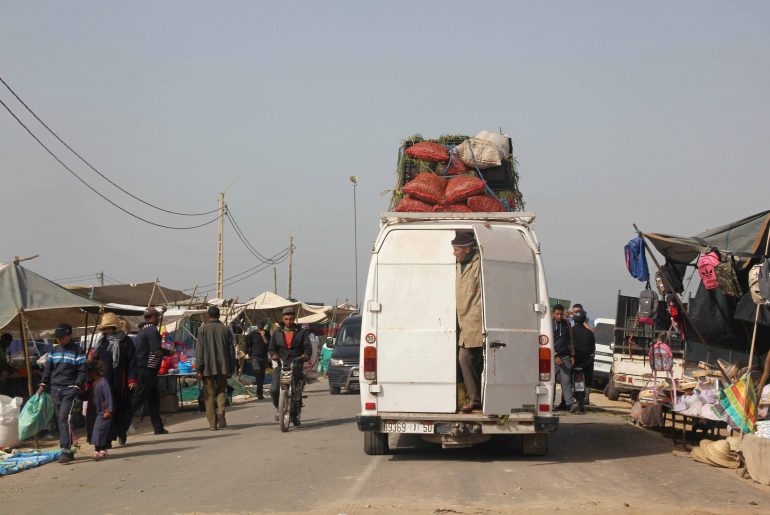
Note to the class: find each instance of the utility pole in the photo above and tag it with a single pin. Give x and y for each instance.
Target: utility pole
(291, 261)
(220, 242)
(101, 277)
(354, 180)
(275, 280)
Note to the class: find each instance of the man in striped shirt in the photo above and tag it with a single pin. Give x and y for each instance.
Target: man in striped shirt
(64, 374)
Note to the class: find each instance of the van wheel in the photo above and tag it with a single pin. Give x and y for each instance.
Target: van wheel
(535, 444)
(334, 390)
(611, 391)
(376, 444)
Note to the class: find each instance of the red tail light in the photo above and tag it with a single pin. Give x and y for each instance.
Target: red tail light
(370, 363)
(545, 363)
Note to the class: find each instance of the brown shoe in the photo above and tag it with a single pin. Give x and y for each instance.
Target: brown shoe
(470, 407)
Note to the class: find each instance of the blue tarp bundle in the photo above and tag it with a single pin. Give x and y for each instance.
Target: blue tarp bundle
(27, 460)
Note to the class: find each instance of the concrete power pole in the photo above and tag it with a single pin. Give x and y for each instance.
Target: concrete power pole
(220, 245)
(275, 280)
(291, 261)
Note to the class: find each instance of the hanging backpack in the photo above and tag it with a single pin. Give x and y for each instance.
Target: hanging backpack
(661, 357)
(756, 295)
(727, 279)
(648, 306)
(706, 264)
(636, 261)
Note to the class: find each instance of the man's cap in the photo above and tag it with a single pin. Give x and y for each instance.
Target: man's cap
(62, 330)
(463, 239)
(289, 311)
(151, 311)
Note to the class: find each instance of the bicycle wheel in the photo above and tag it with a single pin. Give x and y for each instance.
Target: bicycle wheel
(283, 409)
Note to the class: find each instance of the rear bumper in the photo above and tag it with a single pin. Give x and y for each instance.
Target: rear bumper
(522, 424)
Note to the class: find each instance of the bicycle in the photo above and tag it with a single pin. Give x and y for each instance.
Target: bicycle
(290, 396)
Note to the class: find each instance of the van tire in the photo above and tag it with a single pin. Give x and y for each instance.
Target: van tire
(376, 444)
(535, 444)
(611, 391)
(334, 390)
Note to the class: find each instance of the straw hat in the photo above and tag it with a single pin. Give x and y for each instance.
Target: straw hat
(697, 455)
(734, 442)
(719, 454)
(109, 320)
(124, 325)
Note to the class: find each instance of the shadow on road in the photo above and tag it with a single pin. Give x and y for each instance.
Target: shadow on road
(149, 452)
(315, 423)
(176, 440)
(579, 439)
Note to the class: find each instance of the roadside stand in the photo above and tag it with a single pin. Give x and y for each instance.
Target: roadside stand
(715, 384)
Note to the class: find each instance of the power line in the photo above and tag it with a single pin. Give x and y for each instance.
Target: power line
(261, 268)
(18, 120)
(241, 236)
(76, 278)
(91, 166)
(278, 258)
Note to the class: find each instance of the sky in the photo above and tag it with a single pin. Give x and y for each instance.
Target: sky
(654, 113)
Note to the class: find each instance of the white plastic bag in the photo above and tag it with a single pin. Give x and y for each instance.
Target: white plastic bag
(9, 420)
(501, 140)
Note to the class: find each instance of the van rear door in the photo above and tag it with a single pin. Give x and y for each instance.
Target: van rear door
(509, 278)
(416, 328)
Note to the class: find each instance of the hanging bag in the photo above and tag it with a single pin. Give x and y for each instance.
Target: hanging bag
(727, 278)
(648, 306)
(764, 280)
(636, 261)
(706, 264)
(756, 294)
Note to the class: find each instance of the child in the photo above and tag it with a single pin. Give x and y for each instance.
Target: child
(102, 399)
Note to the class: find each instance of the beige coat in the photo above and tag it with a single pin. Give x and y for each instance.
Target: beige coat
(468, 293)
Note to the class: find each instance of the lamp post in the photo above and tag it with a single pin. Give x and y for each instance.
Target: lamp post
(354, 181)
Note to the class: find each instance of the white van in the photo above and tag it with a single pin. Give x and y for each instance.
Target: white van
(408, 333)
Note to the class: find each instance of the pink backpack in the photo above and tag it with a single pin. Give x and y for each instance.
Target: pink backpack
(661, 357)
(706, 264)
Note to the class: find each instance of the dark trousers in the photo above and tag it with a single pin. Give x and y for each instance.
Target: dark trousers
(275, 382)
(259, 365)
(471, 364)
(63, 399)
(147, 391)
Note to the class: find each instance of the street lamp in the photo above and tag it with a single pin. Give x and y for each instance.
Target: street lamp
(354, 181)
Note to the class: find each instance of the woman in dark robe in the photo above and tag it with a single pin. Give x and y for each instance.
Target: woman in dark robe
(116, 350)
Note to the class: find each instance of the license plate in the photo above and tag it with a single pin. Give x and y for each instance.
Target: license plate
(355, 373)
(407, 427)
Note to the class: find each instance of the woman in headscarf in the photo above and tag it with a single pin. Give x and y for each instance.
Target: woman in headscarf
(116, 350)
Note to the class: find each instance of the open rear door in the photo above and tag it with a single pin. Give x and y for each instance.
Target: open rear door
(416, 328)
(508, 275)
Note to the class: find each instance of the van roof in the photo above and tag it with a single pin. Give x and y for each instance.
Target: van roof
(513, 217)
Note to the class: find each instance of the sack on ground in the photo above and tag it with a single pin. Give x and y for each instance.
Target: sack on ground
(485, 204)
(479, 153)
(647, 416)
(459, 189)
(9, 420)
(35, 416)
(413, 205)
(429, 151)
(427, 187)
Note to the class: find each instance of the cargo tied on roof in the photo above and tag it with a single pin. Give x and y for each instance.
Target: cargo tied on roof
(479, 173)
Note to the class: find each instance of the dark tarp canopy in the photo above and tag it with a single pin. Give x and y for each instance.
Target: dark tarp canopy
(141, 294)
(746, 236)
(45, 303)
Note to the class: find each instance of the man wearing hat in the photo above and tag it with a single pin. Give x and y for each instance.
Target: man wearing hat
(64, 375)
(149, 354)
(470, 340)
(288, 342)
(215, 362)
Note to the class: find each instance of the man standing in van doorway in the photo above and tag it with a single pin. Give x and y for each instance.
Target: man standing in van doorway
(470, 339)
(565, 355)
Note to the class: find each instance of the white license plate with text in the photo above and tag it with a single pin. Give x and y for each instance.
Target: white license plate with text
(407, 427)
(355, 373)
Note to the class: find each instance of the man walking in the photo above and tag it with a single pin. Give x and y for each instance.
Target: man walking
(215, 359)
(470, 340)
(565, 355)
(256, 344)
(149, 354)
(64, 374)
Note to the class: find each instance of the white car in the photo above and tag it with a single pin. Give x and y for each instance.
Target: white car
(604, 332)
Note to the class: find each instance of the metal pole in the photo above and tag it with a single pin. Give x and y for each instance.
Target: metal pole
(291, 262)
(26, 352)
(275, 280)
(355, 238)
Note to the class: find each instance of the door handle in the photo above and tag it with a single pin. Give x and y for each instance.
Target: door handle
(496, 344)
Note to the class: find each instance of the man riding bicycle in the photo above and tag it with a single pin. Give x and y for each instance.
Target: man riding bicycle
(288, 342)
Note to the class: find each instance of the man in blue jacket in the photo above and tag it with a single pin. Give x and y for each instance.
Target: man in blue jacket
(64, 374)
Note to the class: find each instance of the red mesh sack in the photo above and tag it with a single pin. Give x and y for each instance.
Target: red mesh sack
(462, 188)
(429, 151)
(409, 204)
(427, 187)
(456, 166)
(485, 204)
(451, 208)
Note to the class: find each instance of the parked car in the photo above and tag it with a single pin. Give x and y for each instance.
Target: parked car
(343, 365)
(604, 331)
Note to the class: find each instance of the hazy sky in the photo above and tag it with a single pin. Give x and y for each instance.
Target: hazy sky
(649, 112)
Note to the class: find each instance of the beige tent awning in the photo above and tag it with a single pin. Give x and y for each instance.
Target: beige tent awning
(141, 294)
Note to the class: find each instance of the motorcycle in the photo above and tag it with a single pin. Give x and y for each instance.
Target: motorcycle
(290, 395)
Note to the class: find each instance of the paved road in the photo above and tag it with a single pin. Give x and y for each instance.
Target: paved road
(597, 464)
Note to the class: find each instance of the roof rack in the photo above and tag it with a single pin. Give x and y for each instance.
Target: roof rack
(520, 217)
